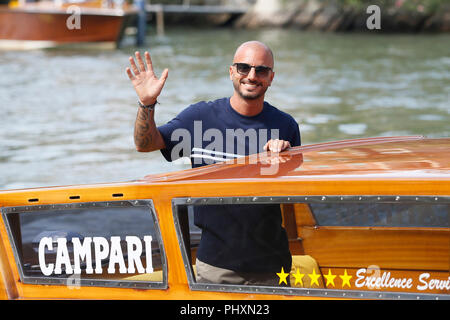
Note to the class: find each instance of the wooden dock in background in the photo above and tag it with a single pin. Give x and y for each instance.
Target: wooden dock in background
(146, 8)
(194, 9)
(159, 10)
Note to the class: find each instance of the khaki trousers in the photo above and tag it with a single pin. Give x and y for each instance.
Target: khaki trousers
(207, 273)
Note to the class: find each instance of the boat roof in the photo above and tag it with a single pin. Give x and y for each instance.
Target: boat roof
(404, 157)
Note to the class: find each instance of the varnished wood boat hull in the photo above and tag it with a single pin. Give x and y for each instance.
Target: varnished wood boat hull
(52, 27)
(362, 259)
(57, 25)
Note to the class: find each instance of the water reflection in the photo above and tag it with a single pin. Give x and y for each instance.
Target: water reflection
(68, 115)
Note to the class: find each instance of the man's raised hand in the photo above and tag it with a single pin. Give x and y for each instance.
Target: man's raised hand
(147, 85)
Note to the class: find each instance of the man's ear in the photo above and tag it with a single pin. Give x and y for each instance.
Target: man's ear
(271, 78)
(231, 73)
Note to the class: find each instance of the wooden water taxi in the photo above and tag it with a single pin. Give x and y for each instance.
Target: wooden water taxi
(28, 25)
(365, 218)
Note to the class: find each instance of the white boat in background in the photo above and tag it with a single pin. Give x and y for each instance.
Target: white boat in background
(30, 25)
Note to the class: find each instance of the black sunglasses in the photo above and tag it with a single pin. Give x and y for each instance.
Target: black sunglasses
(244, 69)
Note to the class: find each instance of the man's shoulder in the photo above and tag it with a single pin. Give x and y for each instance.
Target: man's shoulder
(207, 105)
(211, 103)
(201, 109)
(277, 113)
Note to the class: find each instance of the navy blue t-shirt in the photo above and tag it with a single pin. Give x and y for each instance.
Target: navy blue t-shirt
(209, 132)
(245, 238)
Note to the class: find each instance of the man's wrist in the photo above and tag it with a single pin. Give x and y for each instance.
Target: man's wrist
(148, 106)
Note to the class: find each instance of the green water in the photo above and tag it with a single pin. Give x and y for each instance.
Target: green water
(68, 114)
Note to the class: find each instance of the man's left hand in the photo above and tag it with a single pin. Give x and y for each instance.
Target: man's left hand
(276, 145)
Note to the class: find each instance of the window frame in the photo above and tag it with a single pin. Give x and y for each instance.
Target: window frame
(290, 291)
(110, 283)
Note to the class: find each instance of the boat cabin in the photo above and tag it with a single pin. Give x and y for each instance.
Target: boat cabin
(365, 219)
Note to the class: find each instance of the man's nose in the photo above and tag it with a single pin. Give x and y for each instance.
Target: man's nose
(252, 74)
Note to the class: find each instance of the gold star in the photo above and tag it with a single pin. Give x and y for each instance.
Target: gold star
(282, 276)
(298, 277)
(314, 277)
(330, 278)
(345, 279)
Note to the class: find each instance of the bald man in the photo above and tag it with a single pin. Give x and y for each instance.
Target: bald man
(240, 244)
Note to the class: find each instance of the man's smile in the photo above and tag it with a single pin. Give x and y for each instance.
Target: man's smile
(251, 85)
(250, 88)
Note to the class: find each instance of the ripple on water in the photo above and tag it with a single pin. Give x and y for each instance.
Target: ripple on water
(353, 128)
(68, 115)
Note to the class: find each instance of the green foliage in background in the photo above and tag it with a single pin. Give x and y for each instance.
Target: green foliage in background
(422, 6)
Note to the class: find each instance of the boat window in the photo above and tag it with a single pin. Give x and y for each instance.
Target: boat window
(386, 247)
(381, 214)
(114, 244)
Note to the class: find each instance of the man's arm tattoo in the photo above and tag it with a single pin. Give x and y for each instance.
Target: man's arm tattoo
(143, 135)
